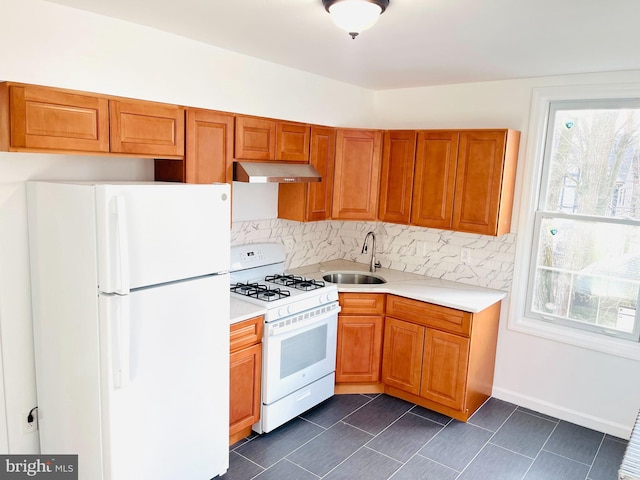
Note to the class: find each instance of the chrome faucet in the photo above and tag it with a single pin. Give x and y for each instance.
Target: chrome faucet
(372, 264)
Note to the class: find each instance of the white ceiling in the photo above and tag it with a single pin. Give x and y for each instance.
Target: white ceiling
(415, 43)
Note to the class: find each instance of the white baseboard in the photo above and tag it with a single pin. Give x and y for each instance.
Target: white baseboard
(563, 413)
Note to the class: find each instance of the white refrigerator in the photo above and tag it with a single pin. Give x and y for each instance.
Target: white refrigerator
(130, 295)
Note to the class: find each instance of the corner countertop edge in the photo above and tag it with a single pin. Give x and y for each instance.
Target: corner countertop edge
(446, 293)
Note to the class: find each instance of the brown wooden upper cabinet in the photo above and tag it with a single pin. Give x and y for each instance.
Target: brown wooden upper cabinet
(396, 186)
(146, 128)
(464, 180)
(208, 153)
(41, 118)
(292, 142)
(357, 174)
(255, 138)
(35, 118)
(259, 138)
(485, 181)
(306, 202)
(434, 180)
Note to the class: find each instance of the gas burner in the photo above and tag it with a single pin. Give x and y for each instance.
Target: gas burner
(261, 292)
(245, 288)
(293, 281)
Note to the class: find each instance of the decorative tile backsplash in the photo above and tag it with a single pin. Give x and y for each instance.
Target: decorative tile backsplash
(425, 251)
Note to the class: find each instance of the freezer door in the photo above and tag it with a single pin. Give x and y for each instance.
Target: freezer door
(169, 418)
(155, 233)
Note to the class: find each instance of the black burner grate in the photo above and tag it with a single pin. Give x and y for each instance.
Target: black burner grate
(294, 281)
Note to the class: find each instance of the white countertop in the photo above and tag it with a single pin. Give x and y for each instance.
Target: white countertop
(244, 310)
(460, 296)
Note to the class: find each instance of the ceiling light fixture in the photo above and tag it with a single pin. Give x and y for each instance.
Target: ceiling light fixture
(355, 16)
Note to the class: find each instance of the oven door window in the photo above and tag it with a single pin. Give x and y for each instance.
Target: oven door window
(303, 350)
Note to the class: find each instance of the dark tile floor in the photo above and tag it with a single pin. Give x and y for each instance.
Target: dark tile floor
(378, 437)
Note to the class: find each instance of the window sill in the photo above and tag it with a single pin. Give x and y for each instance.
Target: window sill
(571, 336)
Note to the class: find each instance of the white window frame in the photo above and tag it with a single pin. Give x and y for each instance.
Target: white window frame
(530, 176)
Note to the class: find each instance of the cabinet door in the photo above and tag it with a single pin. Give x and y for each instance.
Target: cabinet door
(209, 150)
(396, 182)
(434, 182)
(357, 175)
(322, 155)
(146, 128)
(402, 355)
(479, 181)
(50, 119)
(359, 348)
(255, 138)
(244, 388)
(292, 142)
(444, 371)
(308, 202)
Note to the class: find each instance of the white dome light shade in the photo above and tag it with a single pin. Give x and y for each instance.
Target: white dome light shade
(355, 16)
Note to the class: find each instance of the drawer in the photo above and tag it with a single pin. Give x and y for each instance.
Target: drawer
(361, 303)
(429, 315)
(245, 333)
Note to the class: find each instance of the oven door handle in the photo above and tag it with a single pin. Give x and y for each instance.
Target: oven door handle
(300, 325)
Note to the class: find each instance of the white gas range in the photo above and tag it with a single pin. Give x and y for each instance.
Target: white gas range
(299, 342)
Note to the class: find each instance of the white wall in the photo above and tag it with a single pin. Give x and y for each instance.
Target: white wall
(591, 388)
(47, 44)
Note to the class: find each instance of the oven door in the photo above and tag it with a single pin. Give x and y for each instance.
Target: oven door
(298, 350)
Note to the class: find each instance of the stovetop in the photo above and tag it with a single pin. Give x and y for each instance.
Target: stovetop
(256, 277)
(278, 287)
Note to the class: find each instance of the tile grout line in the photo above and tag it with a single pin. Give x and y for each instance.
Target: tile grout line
(541, 448)
(324, 430)
(493, 434)
(285, 459)
(408, 412)
(427, 442)
(370, 399)
(248, 459)
(426, 418)
(595, 456)
(365, 444)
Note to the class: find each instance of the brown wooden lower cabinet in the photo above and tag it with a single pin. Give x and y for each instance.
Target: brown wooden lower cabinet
(437, 357)
(451, 373)
(444, 368)
(245, 370)
(359, 347)
(402, 360)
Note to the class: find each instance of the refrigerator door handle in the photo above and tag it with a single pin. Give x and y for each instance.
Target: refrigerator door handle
(122, 256)
(121, 343)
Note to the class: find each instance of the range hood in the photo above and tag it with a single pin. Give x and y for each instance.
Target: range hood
(274, 172)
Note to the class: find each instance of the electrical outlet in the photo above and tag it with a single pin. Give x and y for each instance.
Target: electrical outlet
(29, 427)
(465, 255)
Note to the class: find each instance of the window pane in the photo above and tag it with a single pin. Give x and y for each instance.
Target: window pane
(594, 163)
(587, 272)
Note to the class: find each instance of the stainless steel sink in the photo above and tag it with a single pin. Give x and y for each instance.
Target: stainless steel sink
(353, 278)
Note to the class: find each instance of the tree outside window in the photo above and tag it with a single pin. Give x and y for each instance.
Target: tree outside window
(586, 270)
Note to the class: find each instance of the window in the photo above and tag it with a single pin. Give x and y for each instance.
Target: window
(585, 258)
